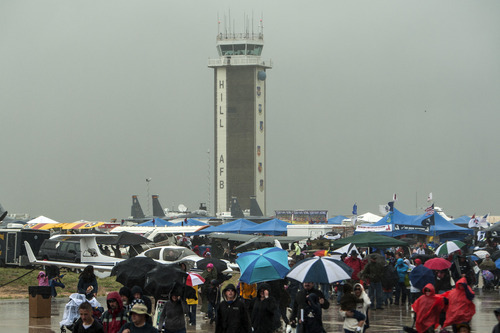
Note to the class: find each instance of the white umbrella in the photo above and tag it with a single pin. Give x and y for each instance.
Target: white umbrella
(194, 279)
(481, 254)
(347, 249)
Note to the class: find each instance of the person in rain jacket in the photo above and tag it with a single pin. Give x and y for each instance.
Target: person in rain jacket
(172, 315)
(115, 316)
(402, 269)
(427, 309)
(232, 315)
(460, 308)
(313, 322)
(264, 309)
(300, 301)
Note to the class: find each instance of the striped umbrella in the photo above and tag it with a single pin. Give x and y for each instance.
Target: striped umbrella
(449, 247)
(320, 270)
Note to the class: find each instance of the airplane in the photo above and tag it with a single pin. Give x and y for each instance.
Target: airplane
(137, 215)
(251, 239)
(90, 255)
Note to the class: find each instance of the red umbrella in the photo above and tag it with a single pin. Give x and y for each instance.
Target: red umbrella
(437, 264)
(321, 253)
(194, 279)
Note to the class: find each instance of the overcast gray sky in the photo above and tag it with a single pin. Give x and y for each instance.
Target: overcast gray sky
(365, 99)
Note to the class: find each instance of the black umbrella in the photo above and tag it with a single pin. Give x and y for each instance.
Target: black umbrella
(423, 257)
(495, 255)
(124, 238)
(218, 264)
(132, 272)
(162, 279)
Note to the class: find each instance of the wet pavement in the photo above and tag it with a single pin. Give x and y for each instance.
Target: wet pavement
(14, 316)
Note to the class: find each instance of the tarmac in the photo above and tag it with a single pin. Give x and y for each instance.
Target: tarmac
(14, 316)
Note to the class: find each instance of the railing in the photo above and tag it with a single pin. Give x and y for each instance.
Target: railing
(230, 36)
(239, 61)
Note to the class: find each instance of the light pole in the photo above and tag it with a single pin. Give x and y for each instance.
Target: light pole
(148, 180)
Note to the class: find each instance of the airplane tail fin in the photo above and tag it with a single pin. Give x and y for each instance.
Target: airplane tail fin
(235, 208)
(254, 207)
(157, 208)
(29, 251)
(136, 210)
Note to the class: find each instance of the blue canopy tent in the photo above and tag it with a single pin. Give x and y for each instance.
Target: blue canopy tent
(337, 219)
(156, 222)
(190, 223)
(461, 220)
(272, 227)
(402, 224)
(235, 226)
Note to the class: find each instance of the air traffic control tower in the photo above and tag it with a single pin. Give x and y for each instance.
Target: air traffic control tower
(240, 119)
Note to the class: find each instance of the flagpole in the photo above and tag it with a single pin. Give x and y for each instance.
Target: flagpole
(416, 204)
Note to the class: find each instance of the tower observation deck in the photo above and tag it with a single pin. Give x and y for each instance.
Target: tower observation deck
(240, 119)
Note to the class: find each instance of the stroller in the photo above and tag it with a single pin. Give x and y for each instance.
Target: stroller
(488, 280)
(71, 314)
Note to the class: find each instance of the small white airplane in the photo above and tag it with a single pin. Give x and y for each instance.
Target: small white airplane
(90, 255)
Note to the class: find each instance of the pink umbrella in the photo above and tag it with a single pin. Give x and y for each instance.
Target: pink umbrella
(194, 279)
(437, 264)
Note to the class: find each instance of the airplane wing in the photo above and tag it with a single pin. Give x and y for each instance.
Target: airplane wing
(100, 271)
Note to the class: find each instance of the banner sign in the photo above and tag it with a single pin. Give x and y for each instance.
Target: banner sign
(373, 228)
(412, 227)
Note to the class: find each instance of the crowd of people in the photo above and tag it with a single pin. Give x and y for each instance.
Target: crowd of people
(378, 280)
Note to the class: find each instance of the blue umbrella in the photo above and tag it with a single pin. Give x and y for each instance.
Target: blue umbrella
(420, 276)
(320, 270)
(497, 263)
(263, 265)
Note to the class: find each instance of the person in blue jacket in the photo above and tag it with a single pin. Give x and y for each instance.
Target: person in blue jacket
(402, 270)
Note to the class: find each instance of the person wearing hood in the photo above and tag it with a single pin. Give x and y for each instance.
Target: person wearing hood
(313, 322)
(427, 309)
(115, 316)
(402, 270)
(172, 315)
(125, 295)
(43, 280)
(209, 274)
(300, 301)
(460, 308)
(232, 315)
(363, 302)
(264, 310)
(137, 294)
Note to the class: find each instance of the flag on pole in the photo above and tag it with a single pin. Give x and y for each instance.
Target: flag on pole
(394, 197)
(391, 206)
(355, 209)
(483, 223)
(473, 222)
(429, 197)
(429, 210)
(384, 209)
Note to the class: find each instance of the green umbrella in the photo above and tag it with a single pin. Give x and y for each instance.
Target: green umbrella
(449, 247)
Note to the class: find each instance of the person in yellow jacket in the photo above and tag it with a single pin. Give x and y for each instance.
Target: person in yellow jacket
(192, 303)
(248, 291)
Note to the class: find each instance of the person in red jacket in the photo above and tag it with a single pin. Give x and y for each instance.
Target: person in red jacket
(356, 264)
(115, 316)
(460, 309)
(427, 309)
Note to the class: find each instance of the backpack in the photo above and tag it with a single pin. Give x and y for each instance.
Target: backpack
(390, 277)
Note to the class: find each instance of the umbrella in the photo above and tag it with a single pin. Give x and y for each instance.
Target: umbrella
(473, 257)
(497, 263)
(320, 270)
(132, 272)
(194, 279)
(266, 264)
(420, 276)
(487, 275)
(423, 257)
(378, 257)
(163, 278)
(495, 255)
(449, 247)
(481, 254)
(488, 265)
(321, 253)
(219, 265)
(437, 264)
